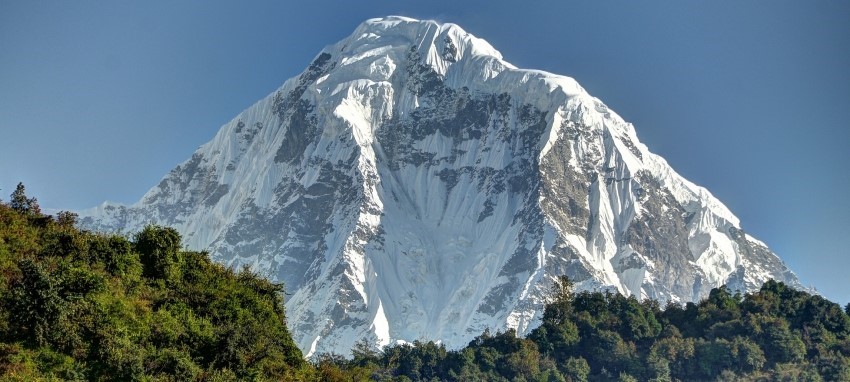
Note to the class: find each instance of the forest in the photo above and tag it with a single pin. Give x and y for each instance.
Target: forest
(79, 305)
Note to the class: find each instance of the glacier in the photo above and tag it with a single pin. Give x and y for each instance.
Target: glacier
(411, 184)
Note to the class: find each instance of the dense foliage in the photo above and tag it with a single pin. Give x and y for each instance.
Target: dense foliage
(76, 305)
(775, 334)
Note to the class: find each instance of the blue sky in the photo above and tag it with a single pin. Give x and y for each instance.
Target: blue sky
(99, 100)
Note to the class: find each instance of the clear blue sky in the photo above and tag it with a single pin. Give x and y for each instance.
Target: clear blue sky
(99, 100)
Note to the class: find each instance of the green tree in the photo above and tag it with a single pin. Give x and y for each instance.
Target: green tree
(35, 304)
(21, 203)
(750, 356)
(159, 250)
(561, 297)
(66, 218)
(712, 357)
(576, 369)
(780, 344)
(363, 352)
(833, 367)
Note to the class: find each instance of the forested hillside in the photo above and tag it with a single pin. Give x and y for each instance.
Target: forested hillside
(775, 334)
(76, 305)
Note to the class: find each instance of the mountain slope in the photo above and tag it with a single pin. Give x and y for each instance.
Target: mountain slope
(410, 184)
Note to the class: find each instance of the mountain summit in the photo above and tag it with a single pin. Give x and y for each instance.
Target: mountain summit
(411, 184)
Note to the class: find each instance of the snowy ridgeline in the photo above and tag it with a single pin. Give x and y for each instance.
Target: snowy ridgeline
(410, 184)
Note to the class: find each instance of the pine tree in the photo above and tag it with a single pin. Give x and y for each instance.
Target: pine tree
(21, 203)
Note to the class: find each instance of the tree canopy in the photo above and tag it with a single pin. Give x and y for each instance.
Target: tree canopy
(76, 305)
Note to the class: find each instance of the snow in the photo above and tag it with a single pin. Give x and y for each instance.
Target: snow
(755, 241)
(313, 347)
(409, 258)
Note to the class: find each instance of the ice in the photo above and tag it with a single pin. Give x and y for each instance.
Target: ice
(441, 248)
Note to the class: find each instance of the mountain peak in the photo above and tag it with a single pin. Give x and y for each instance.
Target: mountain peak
(450, 41)
(445, 47)
(410, 184)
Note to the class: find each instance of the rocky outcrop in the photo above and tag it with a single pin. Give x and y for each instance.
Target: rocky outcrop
(411, 184)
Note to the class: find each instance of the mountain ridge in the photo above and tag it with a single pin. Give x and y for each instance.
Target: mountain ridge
(412, 184)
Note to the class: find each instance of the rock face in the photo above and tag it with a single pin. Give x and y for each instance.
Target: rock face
(410, 184)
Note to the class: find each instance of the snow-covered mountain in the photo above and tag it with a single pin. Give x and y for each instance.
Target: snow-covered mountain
(411, 184)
